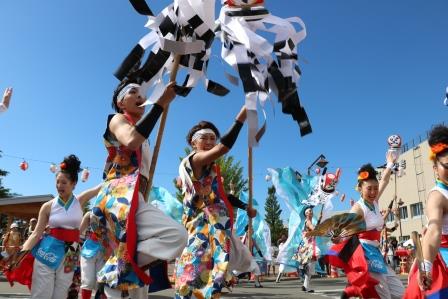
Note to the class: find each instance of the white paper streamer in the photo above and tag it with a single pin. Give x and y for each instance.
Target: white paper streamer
(186, 28)
(251, 55)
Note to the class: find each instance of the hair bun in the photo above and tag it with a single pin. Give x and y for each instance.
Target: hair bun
(439, 134)
(367, 168)
(73, 163)
(72, 166)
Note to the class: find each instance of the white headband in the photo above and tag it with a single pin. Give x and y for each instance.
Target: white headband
(126, 90)
(201, 132)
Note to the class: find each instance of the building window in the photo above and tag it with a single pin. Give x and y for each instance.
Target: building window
(416, 209)
(403, 212)
(390, 217)
(404, 238)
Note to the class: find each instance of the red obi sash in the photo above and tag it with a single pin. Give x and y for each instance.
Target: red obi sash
(439, 274)
(372, 235)
(93, 236)
(66, 235)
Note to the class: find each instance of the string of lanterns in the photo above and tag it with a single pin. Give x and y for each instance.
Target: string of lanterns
(24, 165)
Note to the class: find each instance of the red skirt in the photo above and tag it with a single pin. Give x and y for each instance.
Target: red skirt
(23, 273)
(349, 256)
(439, 286)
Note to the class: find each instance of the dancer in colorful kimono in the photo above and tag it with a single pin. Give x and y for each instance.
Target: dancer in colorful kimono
(308, 251)
(11, 241)
(201, 270)
(56, 254)
(92, 255)
(367, 273)
(299, 193)
(245, 261)
(430, 278)
(248, 255)
(137, 233)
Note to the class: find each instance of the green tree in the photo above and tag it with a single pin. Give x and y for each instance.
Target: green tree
(4, 192)
(231, 171)
(272, 215)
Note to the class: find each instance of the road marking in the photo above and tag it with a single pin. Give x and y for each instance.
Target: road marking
(14, 295)
(323, 293)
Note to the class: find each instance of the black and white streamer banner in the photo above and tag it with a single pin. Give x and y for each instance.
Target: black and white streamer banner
(445, 101)
(263, 67)
(186, 28)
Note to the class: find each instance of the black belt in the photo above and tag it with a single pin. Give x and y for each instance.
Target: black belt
(257, 14)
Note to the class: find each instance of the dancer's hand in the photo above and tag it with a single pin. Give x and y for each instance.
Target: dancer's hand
(7, 97)
(424, 280)
(391, 157)
(16, 259)
(336, 240)
(168, 95)
(241, 117)
(251, 212)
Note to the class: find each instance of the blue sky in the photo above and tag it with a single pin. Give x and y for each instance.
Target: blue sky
(370, 69)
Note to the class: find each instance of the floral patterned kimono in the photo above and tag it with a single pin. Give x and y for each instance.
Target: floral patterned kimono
(115, 208)
(307, 252)
(202, 267)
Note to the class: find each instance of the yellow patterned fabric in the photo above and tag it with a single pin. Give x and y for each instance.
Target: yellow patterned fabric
(111, 211)
(201, 269)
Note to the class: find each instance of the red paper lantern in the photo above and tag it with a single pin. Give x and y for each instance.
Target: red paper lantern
(317, 170)
(24, 165)
(53, 168)
(85, 174)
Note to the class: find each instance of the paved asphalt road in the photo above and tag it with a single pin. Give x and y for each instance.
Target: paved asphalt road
(288, 288)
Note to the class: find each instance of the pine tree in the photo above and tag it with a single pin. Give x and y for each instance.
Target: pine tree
(4, 192)
(272, 215)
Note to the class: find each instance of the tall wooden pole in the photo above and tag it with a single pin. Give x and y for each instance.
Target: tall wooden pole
(156, 150)
(250, 199)
(398, 206)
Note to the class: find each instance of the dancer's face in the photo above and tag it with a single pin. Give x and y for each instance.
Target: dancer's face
(441, 168)
(205, 142)
(369, 190)
(309, 213)
(131, 103)
(64, 185)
